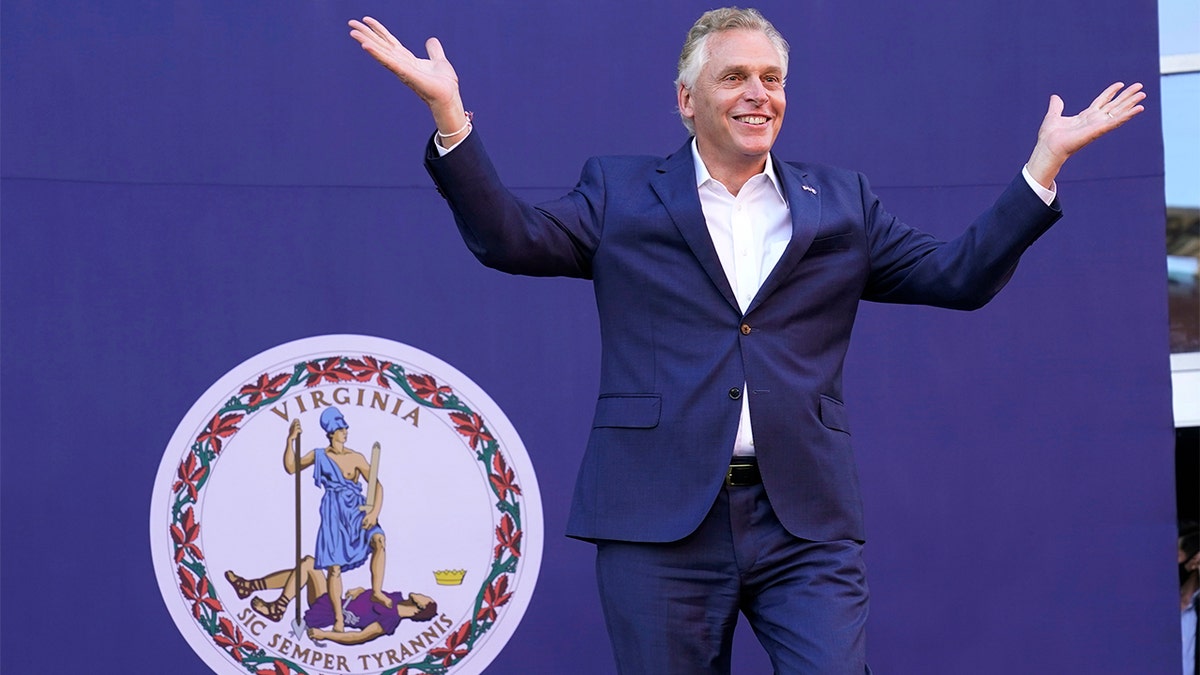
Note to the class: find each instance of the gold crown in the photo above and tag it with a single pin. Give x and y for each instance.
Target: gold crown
(449, 577)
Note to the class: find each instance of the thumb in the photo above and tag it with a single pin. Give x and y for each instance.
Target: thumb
(1056, 106)
(433, 47)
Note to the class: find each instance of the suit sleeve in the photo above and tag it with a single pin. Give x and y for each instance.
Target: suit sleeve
(913, 267)
(555, 238)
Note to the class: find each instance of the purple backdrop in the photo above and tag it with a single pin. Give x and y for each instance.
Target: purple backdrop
(186, 184)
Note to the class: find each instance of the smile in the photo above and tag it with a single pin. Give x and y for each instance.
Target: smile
(752, 119)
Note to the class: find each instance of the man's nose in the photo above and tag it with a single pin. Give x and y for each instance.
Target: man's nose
(755, 91)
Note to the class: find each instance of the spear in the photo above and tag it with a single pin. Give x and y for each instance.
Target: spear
(297, 625)
(298, 628)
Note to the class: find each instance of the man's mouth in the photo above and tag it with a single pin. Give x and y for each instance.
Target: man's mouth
(752, 119)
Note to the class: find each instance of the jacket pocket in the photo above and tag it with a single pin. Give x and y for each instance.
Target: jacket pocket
(834, 242)
(833, 414)
(629, 411)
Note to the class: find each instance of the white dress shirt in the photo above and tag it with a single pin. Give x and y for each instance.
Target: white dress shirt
(749, 231)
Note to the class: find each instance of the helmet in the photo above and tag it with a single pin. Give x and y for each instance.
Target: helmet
(332, 420)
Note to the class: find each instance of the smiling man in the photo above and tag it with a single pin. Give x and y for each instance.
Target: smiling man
(731, 98)
(718, 476)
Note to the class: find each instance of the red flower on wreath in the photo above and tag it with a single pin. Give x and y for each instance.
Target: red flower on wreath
(198, 592)
(190, 476)
(454, 648)
(220, 428)
(427, 388)
(503, 480)
(508, 536)
(370, 367)
(184, 534)
(232, 640)
(265, 387)
(471, 426)
(328, 371)
(495, 595)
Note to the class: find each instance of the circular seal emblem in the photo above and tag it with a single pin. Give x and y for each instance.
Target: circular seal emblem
(346, 504)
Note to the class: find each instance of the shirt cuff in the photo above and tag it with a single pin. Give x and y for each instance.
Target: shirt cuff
(442, 152)
(1046, 195)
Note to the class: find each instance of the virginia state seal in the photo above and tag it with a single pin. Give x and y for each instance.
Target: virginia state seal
(346, 504)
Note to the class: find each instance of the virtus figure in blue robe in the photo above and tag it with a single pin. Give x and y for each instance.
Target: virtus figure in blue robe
(349, 534)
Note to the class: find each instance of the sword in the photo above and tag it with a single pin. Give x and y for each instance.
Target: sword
(372, 478)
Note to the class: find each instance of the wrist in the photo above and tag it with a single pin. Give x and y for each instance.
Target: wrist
(451, 136)
(448, 114)
(1044, 166)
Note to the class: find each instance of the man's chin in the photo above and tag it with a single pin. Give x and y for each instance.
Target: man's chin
(756, 141)
(758, 148)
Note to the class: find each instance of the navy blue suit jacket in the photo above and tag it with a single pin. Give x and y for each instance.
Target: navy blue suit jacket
(676, 349)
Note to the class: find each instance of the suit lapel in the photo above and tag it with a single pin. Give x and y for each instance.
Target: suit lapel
(804, 203)
(675, 185)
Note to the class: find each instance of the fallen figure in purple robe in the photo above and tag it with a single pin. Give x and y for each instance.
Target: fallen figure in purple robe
(372, 619)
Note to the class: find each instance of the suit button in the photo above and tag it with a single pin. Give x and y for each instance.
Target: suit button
(745, 329)
(735, 393)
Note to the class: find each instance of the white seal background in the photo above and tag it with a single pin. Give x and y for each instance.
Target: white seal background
(438, 512)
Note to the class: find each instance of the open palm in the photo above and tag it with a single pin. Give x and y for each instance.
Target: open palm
(433, 79)
(1061, 136)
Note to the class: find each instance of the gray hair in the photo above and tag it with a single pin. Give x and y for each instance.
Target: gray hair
(695, 47)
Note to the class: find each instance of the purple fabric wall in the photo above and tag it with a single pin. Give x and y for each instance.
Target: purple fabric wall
(187, 184)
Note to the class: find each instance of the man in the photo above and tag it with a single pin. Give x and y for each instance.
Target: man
(718, 476)
(1189, 594)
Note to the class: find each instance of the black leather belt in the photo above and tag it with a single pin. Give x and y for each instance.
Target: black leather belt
(743, 471)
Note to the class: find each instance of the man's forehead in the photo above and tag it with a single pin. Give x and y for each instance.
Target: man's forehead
(742, 48)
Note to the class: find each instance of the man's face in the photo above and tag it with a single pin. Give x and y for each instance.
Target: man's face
(737, 103)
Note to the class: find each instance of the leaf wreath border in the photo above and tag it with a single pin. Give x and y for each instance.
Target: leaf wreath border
(195, 584)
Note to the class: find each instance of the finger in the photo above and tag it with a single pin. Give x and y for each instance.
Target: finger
(1132, 95)
(381, 30)
(367, 35)
(357, 26)
(1122, 108)
(394, 57)
(1107, 95)
(1127, 114)
(1131, 90)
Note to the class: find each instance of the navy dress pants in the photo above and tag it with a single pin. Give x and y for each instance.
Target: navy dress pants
(671, 608)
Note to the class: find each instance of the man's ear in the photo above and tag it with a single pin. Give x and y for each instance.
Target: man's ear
(685, 102)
